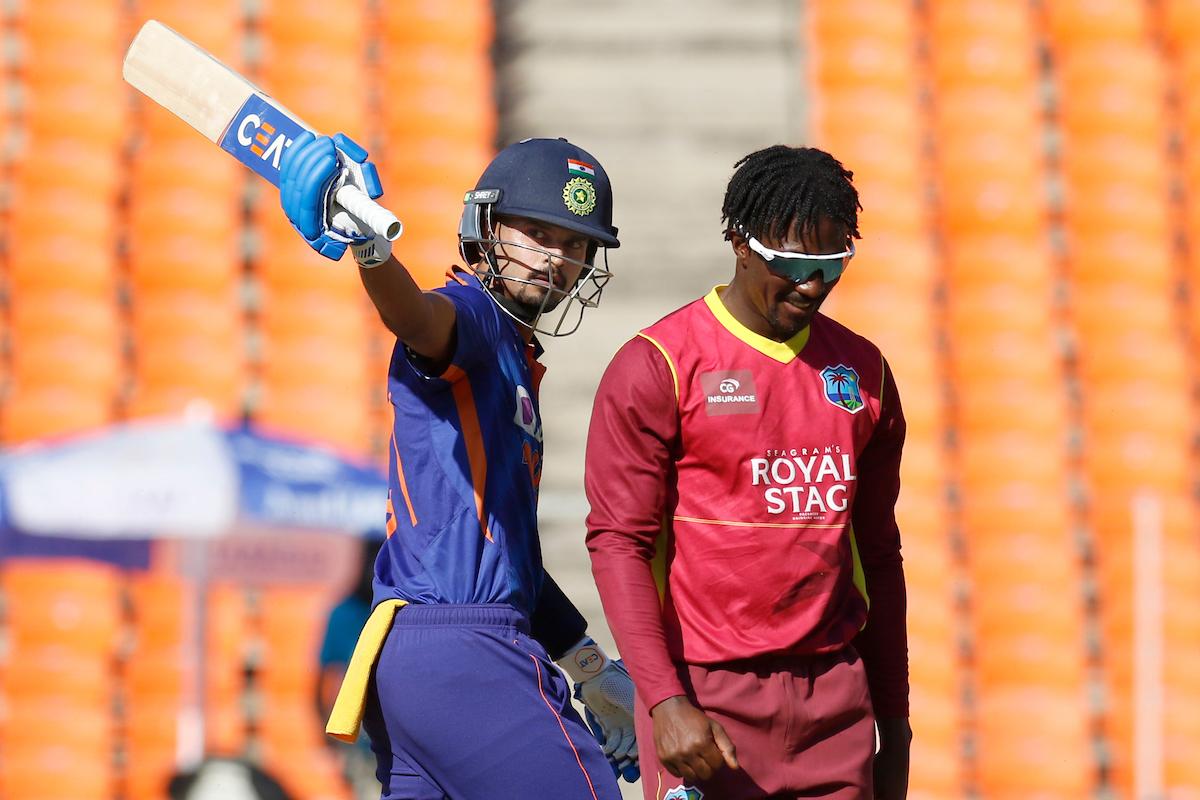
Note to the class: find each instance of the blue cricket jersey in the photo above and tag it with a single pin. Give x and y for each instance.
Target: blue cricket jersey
(465, 463)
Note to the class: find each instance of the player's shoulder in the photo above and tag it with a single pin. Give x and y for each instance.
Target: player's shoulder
(843, 338)
(678, 321)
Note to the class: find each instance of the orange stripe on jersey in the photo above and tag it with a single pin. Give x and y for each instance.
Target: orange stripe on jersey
(468, 419)
(391, 516)
(412, 514)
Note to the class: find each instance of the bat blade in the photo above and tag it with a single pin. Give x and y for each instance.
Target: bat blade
(229, 111)
(184, 79)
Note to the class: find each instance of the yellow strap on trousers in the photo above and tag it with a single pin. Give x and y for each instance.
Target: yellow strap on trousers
(346, 716)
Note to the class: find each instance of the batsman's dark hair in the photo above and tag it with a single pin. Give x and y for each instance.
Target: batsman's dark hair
(778, 185)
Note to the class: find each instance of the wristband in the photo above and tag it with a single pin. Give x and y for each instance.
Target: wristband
(584, 661)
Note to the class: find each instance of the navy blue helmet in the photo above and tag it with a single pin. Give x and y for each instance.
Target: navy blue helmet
(550, 181)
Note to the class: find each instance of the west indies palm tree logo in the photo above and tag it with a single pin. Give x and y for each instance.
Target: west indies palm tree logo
(841, 388)
(684, 793)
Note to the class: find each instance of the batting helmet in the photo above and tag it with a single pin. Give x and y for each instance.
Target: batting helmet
(551, 181)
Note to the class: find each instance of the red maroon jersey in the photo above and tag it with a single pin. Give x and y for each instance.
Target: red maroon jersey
(742, 499)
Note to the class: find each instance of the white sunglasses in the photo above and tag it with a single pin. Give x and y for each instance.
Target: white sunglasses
(799, 267)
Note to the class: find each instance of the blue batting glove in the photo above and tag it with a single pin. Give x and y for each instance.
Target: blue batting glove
(605, 689)
(629, 770)
(306, 174)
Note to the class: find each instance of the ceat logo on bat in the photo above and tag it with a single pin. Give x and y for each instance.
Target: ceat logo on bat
(684, 793)
(258, 135)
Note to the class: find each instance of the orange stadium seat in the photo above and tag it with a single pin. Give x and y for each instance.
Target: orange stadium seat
(983, 456)
(1158, 460)
(1102, 84)
(311, 772)
(1023, 388)
(1011, 506)
(53, 677)
(853, 57)
(301, 24)
(313, 361)
(42, 776)
(1134, 355)
(974, 57)
(1101, 255)
(1181, 22)
(324, 84)
(180, 260)
(1002, 306)
(62, 604)
(997, 116)
(90, 106)
(1075, 23)
(845, 124)
(1116, 158)
(992, 203)
(89, 269)
(463, 24)
(990, 257)
(336, 415)
(1099, 307)
(91, 182)
(285, 262)
(212, 25)
(216, 315)
(304, 312)
(876, 18)
(417, 106)
(1104, 206)
(162, 608)
(1020, 758)
(48, 411)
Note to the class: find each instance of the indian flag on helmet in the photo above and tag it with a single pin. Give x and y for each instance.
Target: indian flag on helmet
(580, 168)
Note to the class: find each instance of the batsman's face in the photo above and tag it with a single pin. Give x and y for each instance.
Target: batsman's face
(535, 256)
(785, 306)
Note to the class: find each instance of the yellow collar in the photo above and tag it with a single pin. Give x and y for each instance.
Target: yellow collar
(783, 352)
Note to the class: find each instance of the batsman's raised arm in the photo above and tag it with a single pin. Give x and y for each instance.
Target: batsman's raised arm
(424, 321)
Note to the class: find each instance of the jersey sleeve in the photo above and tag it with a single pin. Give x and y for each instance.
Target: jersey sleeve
(883, 642)
(555, 621)
(479, 326)
(634, 428)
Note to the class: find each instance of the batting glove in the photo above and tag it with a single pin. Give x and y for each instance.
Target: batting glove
(311, 169)
(606, 691)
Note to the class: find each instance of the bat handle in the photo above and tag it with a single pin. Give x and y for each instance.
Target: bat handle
(373, 215)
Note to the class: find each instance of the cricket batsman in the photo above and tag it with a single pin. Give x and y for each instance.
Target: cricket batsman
(742, 468)
(453, 676)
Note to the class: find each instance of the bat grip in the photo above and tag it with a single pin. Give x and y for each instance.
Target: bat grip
(373, 215)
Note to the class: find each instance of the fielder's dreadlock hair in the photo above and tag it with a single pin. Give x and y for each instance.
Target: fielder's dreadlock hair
(774, 187)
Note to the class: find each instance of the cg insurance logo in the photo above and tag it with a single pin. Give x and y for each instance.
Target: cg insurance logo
(729, 392)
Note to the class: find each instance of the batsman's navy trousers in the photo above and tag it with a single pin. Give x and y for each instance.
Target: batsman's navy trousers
(465, 705)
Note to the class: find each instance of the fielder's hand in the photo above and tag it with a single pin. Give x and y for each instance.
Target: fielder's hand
(606, 691)
(690, 744)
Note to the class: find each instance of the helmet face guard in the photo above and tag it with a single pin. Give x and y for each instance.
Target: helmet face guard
(561, 310)
(556, 183)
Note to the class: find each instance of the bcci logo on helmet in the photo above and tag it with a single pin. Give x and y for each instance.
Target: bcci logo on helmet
(684, 793)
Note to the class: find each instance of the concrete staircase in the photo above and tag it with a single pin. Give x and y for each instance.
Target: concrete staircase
(667, 94)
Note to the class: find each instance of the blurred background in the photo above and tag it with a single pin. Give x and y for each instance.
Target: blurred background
(192, 404)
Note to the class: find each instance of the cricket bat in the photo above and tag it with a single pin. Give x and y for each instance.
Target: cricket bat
(235, 114)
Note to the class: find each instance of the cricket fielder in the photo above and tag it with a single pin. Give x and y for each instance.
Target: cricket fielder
(743, 468)
(453, 675)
